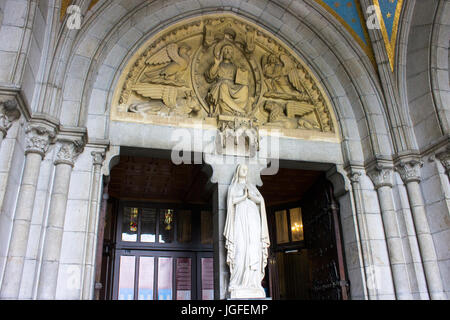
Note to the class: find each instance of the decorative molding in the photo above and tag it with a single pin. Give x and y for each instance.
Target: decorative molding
(382, 176)
(38, 138)
(409, 170)
(237, 136)
(9, 112)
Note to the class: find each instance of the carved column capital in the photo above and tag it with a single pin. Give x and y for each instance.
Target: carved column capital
(444, 157)
(98, 157)
(355, 177)
(382, 176)
(353, 174)
(410, 170)
(38, 138)
(69, 152)
(9, 112)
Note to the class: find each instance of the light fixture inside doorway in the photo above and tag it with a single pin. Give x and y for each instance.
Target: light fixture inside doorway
(168, 218)
(297, 227)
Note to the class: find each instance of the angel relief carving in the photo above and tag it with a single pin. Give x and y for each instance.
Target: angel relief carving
(283, 79)
(223, 68)
(171, 62)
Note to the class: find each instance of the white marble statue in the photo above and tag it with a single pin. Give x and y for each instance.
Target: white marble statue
(247, 237)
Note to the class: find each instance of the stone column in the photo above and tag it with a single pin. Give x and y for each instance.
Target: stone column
(410, 174)
(48, 277)
(100, 238)
(382, 178)
(8, 114)
(91, 239)
(370, 284)
(38, 139)
(221, 271)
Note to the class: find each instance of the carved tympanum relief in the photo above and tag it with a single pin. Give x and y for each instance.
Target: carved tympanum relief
(217, 69)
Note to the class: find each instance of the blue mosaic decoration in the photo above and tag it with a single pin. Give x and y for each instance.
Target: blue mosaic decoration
(349, 14)
(388, 13)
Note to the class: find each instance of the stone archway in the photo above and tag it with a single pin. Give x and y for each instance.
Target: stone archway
(350, 98)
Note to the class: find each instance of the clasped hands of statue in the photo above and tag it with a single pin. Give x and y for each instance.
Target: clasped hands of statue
(248, 194)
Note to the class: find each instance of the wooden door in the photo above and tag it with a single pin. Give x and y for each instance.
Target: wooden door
(323, 239)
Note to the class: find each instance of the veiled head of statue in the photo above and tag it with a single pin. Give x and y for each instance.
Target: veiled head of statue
(242, 171)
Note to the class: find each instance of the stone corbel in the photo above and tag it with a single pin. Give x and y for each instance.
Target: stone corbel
(409, 170)
(9, 112)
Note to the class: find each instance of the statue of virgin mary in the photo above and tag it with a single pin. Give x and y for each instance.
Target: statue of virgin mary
(247, 237)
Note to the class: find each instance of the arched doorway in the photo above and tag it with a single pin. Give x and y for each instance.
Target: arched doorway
(158, 242)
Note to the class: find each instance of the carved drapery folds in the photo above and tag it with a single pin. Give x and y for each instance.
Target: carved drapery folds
(221, 66)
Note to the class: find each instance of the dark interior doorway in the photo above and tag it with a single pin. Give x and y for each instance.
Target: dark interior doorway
(158, 231)
(306, 261)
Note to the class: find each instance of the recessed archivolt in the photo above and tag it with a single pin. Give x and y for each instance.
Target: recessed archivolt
(214, 67)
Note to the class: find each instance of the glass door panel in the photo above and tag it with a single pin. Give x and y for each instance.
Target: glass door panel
(148, 222)
(183, 278)
(166, 227)
(127, 269)
(281, 227)
(184, 226)
(206, 227)
(165, 280)
(296, 224)
(207, 283)
(130, 224)
(146, 278)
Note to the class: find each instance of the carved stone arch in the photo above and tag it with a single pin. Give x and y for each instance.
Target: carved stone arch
(208, 68)
(440, 69)
(415, 72)
(351, 104)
